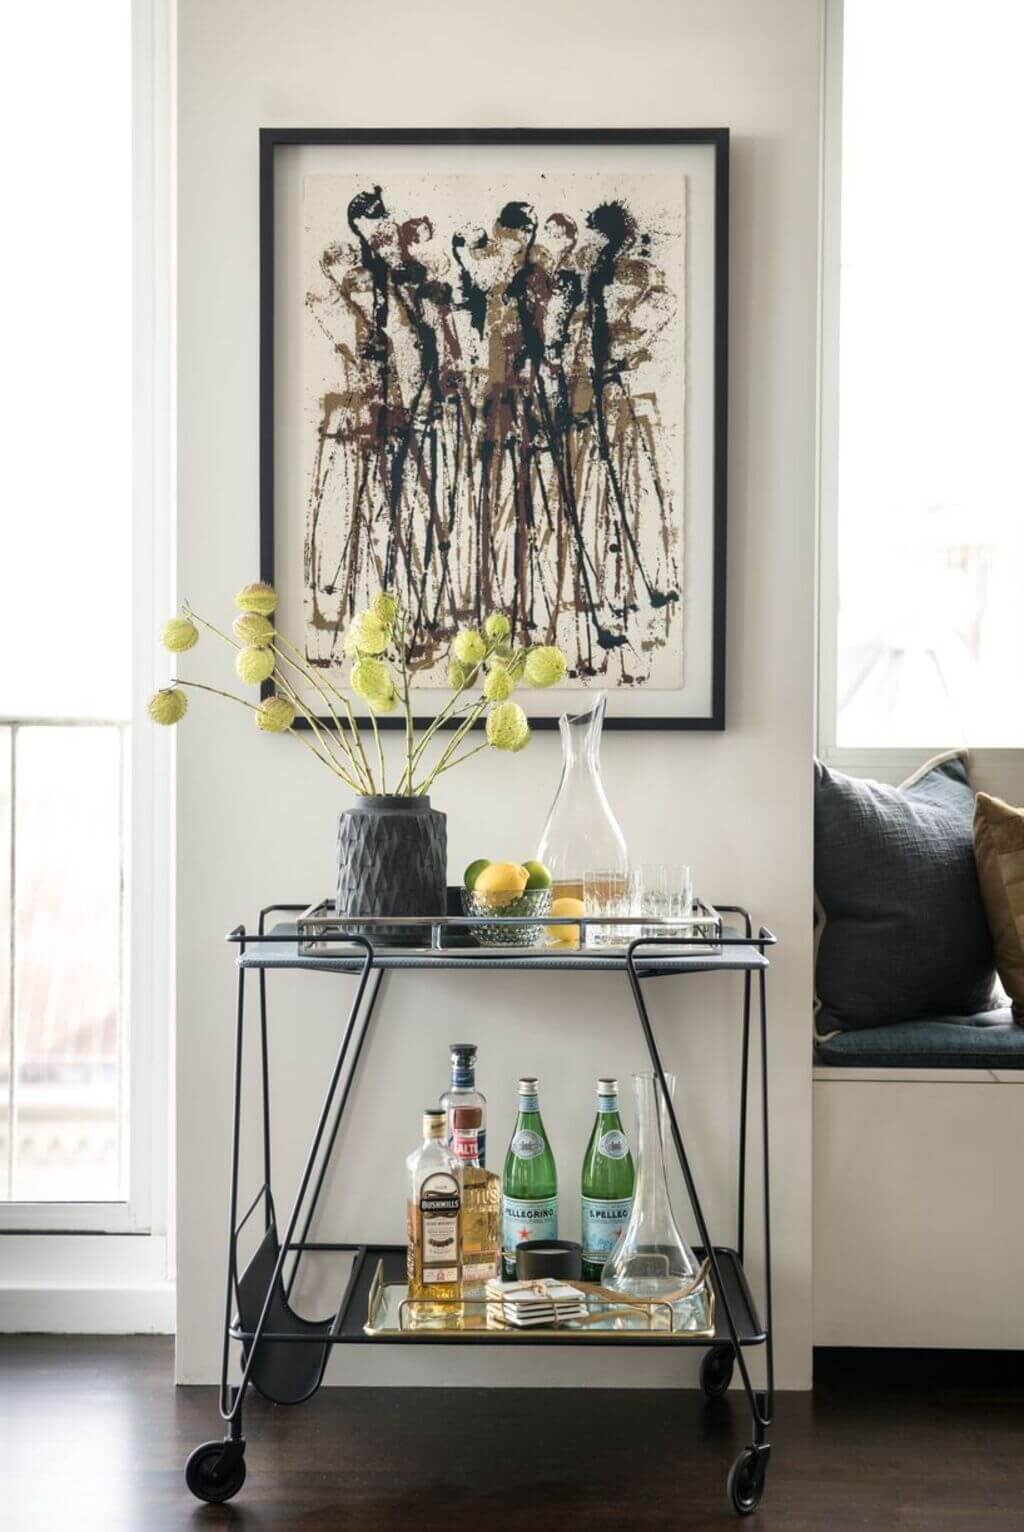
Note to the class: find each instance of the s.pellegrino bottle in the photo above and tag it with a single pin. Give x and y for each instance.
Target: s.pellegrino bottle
(529, 1201)
(607, 1182)
(463, 1093)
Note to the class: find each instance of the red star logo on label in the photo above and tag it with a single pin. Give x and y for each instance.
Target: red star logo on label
(523, 1234)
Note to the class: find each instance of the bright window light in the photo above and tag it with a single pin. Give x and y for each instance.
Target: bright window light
(931, 473)
(65, 597)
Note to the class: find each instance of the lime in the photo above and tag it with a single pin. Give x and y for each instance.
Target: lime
(539, 877)
(474, 870)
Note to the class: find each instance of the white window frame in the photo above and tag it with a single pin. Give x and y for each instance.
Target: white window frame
(885, 763)
(28, 1265)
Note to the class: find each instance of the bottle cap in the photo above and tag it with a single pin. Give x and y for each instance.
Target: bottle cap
(463, 1050)
(528, 1085)
(466, 1118)
(607, 1085)
(433, 1123)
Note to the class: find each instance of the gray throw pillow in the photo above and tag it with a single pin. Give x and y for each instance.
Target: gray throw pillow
(901, 929)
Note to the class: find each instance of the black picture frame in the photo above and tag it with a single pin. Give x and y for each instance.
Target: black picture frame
(271, 139)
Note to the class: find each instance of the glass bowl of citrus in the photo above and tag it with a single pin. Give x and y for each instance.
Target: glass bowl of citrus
(520, 890)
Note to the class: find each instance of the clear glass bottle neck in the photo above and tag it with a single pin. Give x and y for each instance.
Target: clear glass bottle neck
(581, 739)
(652, 1179)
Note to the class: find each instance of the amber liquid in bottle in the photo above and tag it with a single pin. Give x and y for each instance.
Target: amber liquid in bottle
(433, 1217)
(481, 1204)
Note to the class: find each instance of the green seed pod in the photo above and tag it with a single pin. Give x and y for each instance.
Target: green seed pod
(179, 634)
(275, 715)
(498, 686)
(469, 648)
(385, 608)
(507, 728)
(497, 627)
(372, 680)
(370, 634)
(545, 666)
(251, 628)
(253, 664)
(457, 675)
(167, 706)
(383, 704)
(258, 597)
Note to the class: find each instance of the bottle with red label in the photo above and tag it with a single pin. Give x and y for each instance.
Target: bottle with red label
(481, 1203)
(463, 1092)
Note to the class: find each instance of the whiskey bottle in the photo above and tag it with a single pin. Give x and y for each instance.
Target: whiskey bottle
(529, 1203)
(433, 1211)
(463, 1092)
(481, 1204)
(606, 1183)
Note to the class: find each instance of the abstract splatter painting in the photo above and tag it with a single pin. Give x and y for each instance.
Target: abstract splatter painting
(494, 396)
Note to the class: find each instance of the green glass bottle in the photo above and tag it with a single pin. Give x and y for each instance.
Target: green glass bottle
(529, 1200)
(606, 1183)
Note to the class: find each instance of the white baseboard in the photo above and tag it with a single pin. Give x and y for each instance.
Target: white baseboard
(70, 1309)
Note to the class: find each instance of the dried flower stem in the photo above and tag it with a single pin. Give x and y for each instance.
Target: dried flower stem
(304, 671)
(456, 740)
(322, 735)
(441, 766)
(362, 765)
(201, 686)
(406, 778)
(451, 707)
(380, 752)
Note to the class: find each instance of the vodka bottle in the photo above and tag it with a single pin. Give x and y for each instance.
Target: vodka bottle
(529, 1204)
(433, 1210)
(606, 1183)
(463, 1092)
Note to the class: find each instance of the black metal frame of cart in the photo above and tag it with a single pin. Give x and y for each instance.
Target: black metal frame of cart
(285, 1356)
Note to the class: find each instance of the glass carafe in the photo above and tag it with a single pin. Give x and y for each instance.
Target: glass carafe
(651, 1259)
(581, 834)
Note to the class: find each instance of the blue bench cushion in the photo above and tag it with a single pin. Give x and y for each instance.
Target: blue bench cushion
(989, 1040)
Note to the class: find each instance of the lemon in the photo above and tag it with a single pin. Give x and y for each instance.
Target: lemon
(501, 878)
(539, 877)
(474, 870)
(566, 936)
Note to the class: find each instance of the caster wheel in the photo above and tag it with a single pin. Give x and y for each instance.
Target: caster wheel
(746, 1480)
(716, 1371)
(216, 1471)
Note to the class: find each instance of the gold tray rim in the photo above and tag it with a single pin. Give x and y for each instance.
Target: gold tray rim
(526, 1335)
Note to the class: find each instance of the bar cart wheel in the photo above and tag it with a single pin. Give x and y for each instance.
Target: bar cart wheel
(216, 1471)
(716, 1371)
(746, 1479)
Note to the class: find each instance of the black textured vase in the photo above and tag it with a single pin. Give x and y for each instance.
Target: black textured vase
(392, 860)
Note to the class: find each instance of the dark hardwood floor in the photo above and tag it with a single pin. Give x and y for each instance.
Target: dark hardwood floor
(94, 1435)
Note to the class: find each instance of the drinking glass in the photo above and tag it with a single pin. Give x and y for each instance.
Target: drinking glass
(610, 892)
(665, 893)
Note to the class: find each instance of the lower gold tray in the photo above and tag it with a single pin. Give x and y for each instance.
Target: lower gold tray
(393, 1315)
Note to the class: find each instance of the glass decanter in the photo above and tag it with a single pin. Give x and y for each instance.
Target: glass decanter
(651, 1259)
(581, 834)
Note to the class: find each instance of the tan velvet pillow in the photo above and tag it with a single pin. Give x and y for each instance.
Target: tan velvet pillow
(999, 854)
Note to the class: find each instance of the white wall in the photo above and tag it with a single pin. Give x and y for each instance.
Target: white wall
(256, 817)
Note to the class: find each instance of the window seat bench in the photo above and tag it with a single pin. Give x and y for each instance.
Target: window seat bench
(990, 1040)
(918, 1214)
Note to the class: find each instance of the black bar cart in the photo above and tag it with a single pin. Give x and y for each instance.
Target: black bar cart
(284, 1356)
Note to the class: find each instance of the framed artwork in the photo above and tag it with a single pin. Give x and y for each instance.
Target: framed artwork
(493, 377)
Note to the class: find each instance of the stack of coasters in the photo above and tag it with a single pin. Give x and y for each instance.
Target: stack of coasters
(544, 1302)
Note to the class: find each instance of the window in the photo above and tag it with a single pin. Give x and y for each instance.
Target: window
(78, 787)
(922, 475)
